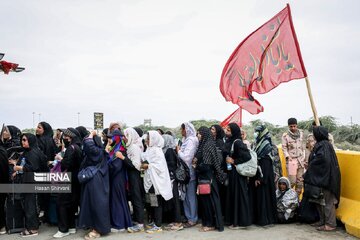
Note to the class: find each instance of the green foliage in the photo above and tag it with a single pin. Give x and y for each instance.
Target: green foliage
(204, 123)
(327, 121)
(348, 134)
(347, 146)
(28, 130)
(275, 130)
(346, 137)
(148, 128)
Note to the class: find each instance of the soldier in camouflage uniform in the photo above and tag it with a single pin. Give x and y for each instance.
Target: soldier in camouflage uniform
(294, 152)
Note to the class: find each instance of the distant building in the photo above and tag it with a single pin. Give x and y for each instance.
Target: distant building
(147, 122)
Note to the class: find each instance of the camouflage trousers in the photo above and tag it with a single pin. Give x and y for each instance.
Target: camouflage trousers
(295, 174)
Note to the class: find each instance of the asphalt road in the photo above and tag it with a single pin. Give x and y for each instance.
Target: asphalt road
(278, 232)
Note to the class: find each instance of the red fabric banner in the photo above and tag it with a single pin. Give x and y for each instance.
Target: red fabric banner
(234, 117)
(267, 57)
(6, 67)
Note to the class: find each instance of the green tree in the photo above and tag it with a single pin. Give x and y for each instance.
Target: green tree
(206, 123)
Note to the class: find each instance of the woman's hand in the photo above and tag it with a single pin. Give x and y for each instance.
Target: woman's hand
(119, 154)
(257, 183)
(194, 161)
(18, 168)
(58, 157)
(107, 148)
(229, 160)
(92, 134)
(12, 162)
(144, 166)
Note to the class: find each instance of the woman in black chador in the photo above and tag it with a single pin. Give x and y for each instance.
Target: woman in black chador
(237, 211)
(324, 173)
(262, 185)
(208, 169)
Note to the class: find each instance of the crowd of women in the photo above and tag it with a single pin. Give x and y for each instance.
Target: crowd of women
(125, 180)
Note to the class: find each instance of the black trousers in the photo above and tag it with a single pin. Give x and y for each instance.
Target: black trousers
(177, 203)
(158, 211)
(207, 211)
(30, 209)
(66, 207)
(137, 193)
(43, 202)
(2, 210)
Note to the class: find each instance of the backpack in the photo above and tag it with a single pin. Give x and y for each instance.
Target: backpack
(249, 168)
(182, 172)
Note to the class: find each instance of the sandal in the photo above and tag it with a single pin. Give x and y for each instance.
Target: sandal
(189, 224)
(29, 233)
(206, 229)
(177, 227)
(169, 226)
(92, 235)
(326, 228)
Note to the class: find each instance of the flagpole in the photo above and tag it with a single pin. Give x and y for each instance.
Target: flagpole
(317, 122)
(240, 119)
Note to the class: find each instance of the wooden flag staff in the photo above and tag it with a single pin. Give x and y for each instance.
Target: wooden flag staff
(240, 117)
(317, 122)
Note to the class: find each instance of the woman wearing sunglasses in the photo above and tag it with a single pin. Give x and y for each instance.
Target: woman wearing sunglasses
(30, 161)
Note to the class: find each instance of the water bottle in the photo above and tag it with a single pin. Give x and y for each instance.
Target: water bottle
(22, 163)
(228, 166)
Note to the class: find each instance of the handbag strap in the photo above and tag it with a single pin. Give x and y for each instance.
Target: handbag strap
(232, 146)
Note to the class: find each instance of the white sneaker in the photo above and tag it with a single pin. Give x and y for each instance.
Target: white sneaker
(72, 230)
(154, 229)
(115, 230)
(2, 231)
(61, 234)
(41, 214)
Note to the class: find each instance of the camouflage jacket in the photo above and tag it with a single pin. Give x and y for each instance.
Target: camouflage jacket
(292, 146)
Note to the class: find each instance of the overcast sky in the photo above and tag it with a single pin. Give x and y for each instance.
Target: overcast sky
(163, 59)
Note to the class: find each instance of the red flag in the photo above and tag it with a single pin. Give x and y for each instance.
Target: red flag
(234, 117)
(267, 57)
(6, 67)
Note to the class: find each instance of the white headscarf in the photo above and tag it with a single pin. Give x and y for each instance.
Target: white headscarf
(133, 138)
(190, 130)
(133, 147)
(157, 174)
(169, 142)
(189, 146)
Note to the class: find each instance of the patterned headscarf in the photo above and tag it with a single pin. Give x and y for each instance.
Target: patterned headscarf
(118, 144)
(206, 144)
(207, 152)
(263, 141)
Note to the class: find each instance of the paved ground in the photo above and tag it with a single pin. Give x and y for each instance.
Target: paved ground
(278, 232)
